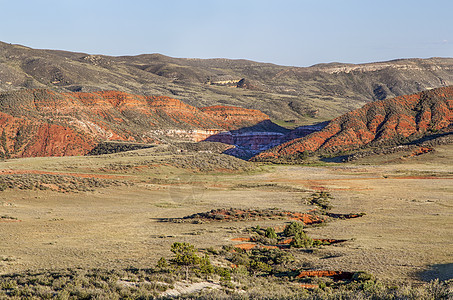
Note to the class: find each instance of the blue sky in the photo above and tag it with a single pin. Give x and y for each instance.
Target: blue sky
(299, 33)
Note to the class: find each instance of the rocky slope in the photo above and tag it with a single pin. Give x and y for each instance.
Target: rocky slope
(387, 122)
(304, 95)
(249, 141)
(41, 122)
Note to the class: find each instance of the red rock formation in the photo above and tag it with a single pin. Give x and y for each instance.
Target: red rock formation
(230, 117)
(46, 123)
(378, 123)
(26, 138)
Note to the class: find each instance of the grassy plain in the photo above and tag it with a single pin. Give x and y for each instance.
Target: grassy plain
(405, 235)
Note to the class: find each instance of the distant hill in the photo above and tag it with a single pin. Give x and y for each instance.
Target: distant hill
(381, 123)
(292, 94)
(42, 122)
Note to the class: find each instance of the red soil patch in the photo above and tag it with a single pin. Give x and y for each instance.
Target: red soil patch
(421, 150)
(250, 246)
(286, 242)
(246, 246)
(269, 247)
(317, 188)
(241, 239)
(307, 219)
(309, 286)
(338, 275)
(51, 186)
(280, 228)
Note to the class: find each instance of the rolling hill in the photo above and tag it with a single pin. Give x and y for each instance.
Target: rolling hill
(381, 123)
(290, 95)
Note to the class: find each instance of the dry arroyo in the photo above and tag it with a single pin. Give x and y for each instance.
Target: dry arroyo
(387, 122)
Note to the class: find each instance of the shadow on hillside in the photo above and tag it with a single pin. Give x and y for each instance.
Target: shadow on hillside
(109, 147)
(439, 271)
(249, 141)
(429, 138)
(335, 159)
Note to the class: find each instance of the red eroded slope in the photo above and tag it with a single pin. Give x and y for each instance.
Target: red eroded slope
(47, 123)
(384, 122)
(230, 117)
(159, 112)
(26, 138)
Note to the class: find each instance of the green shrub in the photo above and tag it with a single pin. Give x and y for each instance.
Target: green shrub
(10, 284)
(212, 250)
(322, 200)
(362, 276)
(259, 266)
(259, 230)
(293, 228)
(270, 233)
(224, 273)
(241, 270)
(206, 266)
(162, 263)
(301, 240)
(240, 259)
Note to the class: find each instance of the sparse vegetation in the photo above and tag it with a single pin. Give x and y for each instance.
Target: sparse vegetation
(256, 276)
(233, 214)
(292, 235)
(59, 183)
(322, 200)
(7, 217)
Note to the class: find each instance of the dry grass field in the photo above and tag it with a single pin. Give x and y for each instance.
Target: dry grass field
(112, 222)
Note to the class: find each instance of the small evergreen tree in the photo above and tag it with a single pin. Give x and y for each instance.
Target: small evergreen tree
(293, 228)
(270, 233)
(162, 263)
(206, 266)
(185, 255)
(301, 240)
